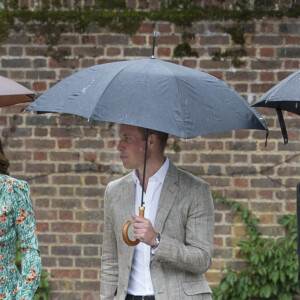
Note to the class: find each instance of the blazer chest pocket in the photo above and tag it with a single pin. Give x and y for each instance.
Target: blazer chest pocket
(194, 288)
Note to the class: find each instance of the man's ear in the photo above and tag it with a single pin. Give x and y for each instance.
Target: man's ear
(152, 138)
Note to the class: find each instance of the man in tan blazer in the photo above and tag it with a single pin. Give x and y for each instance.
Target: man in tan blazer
(176, 240)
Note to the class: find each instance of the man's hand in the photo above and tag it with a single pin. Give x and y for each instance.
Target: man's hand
(144, 231)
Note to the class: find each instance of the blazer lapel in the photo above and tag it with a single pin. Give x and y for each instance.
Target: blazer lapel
(127, 208)
(127, 194)
(167, 197)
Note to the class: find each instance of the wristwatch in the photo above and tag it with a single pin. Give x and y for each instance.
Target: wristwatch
(157, 240)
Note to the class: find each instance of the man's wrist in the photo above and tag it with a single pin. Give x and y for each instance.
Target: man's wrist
(157, 241)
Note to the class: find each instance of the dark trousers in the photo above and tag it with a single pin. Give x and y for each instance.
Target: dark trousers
(132, 297)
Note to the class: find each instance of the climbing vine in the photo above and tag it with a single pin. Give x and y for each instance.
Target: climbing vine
(272, 264)
(51, 18)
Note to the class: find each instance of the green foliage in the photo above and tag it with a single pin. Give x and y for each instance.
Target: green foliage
(43, 290)
(272, 265)
(175, 145)
(56, 17)
(184, 49)
(235, 55)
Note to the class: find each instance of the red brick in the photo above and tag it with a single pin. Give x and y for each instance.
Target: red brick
(66, 227)
(266, 27)
(65, 63)
(165, 40)
(190, 63)
(64, 156)
(65, 73)
(40, 132)
(267, 52)
(88, 51)
(40, 156)
(214, 40)
(265, 194)
(240, 182)
(89, 39)
(290, 207)
(66, 239)
(67, 273)
(113, 51)
(293, 40)
(64, 143)
(105, 61)
(138, 40)
(39, 144)
(45, 215)
(163, 51)
(91, 203)
(164, 28)
(90, 274)
(260, 87)
(39, 86)
(90, 180)
(89, 156)
(40, 167)
(66, 215)
(146, 28)
(215, 145)
(17, 75)
(267, 76)
(88, 62)
(218, 242)
(42, 226)
(90, 227)
(291, 64)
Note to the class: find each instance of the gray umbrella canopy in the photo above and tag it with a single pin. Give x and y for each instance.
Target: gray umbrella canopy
(285, 95)
(12, 93)
(153, 94)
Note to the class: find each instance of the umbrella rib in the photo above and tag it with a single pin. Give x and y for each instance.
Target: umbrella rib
(129, 65)
(160, 62)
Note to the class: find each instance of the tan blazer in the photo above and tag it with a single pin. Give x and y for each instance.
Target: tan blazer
(185, 220)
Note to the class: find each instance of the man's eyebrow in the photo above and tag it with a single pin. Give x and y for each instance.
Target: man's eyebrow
(125, 135)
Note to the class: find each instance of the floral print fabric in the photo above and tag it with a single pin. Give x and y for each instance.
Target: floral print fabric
(17, 222)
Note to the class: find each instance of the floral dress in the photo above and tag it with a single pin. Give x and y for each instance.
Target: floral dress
(17, 222)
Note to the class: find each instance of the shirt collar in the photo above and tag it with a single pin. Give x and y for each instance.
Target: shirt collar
(158, 176)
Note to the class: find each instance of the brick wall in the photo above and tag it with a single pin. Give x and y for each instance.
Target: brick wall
(68, 161)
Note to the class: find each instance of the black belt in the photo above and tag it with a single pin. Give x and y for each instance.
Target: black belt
(132, 297)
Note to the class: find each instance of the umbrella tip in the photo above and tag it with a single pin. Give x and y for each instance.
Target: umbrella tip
(153, 44)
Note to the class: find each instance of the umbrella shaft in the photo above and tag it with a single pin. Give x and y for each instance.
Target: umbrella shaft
(144, 171)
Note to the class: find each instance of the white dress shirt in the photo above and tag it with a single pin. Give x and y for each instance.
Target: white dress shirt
(140, 282)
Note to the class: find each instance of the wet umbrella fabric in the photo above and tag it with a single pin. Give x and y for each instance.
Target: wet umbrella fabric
(154, 94)
(12, 93)
(283, 96)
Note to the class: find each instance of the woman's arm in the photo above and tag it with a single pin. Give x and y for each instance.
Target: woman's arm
(28, 242)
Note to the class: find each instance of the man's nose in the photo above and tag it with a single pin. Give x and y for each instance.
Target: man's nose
(120, 145)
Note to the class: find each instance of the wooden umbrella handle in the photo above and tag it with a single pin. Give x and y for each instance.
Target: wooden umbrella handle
(127, 240)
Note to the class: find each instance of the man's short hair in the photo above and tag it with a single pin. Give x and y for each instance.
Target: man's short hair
(162, 136)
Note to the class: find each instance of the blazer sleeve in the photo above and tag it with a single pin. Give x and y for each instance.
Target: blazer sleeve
(194, 254)
(27, 236)
(109, 260)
